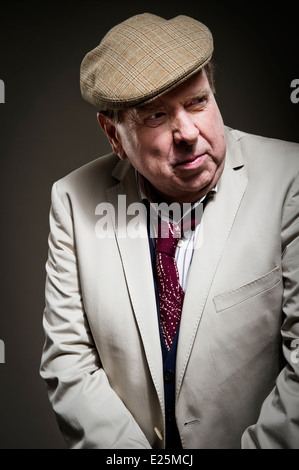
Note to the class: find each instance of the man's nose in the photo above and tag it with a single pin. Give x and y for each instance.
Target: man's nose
(184, 128)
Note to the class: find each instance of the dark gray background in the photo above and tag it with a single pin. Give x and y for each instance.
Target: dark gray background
(47, 130)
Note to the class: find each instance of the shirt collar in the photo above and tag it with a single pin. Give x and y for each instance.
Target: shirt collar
(145, 194)
(156, 210)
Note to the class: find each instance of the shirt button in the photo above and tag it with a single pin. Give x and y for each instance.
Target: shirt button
(170, 416)
(180, 243)
(168, 376)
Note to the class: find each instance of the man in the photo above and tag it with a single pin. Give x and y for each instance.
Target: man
(227, 375)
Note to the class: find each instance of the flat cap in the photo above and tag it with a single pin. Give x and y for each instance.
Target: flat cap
(142, 58)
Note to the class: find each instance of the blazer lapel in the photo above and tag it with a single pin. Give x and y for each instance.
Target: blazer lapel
(135, 253)
(218, 218)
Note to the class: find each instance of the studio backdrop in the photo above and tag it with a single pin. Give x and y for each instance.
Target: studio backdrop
(47, 131)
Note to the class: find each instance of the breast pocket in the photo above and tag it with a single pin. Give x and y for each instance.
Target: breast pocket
(247, 326)
(248, 291)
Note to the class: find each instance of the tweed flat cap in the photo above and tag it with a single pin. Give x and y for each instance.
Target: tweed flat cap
(142, 58)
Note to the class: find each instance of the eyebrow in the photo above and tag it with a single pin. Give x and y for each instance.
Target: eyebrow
(199, 94)
(149, 108)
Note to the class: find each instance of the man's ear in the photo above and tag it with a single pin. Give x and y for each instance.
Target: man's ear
(109, 128)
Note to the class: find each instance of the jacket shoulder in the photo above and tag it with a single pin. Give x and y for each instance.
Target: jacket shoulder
(97, 172)
(266, 152)
(253, 141)
(87, 185)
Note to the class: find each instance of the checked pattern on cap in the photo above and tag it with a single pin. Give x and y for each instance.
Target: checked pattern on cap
(171, 294)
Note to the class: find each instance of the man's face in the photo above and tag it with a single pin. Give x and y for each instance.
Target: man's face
(176, 142)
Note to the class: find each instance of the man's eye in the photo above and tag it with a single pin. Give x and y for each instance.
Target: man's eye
(198, 101)
(156, 116)
(155, 119)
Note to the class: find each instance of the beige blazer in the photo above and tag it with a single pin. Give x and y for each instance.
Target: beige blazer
(237, 379)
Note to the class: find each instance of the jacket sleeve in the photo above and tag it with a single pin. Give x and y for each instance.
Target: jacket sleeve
(278, 423)
(89, 412)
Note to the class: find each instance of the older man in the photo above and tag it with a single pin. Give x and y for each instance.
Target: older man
(172, 337)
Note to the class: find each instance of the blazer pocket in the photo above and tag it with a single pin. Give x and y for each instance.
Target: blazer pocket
(245, 292)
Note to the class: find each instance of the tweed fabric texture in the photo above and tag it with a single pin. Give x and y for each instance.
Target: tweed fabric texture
(142, 58)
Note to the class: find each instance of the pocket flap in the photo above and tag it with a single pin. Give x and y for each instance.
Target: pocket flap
(238, 295)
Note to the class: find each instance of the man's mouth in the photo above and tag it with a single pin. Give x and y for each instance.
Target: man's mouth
(190, 163)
